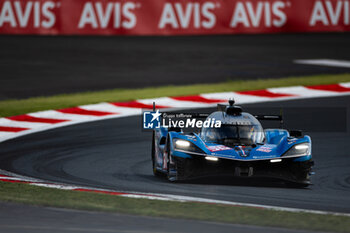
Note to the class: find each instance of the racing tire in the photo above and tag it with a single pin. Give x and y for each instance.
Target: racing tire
(154, 166)
(297, 185)
(171, 177)
(302, 172)
(170, 167)
(178, 166)
(168, 175)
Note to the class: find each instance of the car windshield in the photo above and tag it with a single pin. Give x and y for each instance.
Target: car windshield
(232, 135)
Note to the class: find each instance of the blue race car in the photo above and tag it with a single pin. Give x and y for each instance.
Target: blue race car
(240, 147)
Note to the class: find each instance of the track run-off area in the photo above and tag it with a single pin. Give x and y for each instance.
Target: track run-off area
(110, 151)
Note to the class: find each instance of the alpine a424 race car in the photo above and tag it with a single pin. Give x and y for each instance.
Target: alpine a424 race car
(240, 147)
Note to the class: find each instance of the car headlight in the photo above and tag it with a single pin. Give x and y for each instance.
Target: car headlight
(299, 150)
(181, 144)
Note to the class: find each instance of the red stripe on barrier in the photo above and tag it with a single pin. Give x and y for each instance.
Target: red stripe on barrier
(80, 111)
(332, 87)
(135, 104)
(198, 98)
(12, 129)
(99, 191)
(264, 93)
(111, 192)
(35, 119)
(15, 181)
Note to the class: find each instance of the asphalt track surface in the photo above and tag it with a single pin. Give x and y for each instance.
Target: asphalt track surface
(115, 154)
(45, 65)
(17, 218)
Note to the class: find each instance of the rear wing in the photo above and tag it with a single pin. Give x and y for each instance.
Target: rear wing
(224, 108)
(269, 117)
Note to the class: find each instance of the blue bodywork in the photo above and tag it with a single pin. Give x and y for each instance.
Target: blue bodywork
(278, 142)
(268, 158)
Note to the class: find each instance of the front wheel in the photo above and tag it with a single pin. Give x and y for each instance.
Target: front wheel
(171, 164)
(176, 166)
(171, 170)
(154, 162)
(297, 185)
(176, 169)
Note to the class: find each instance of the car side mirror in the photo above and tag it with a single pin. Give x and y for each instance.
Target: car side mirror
(296, 133)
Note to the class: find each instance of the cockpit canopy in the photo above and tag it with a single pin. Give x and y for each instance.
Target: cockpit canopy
(242, 129)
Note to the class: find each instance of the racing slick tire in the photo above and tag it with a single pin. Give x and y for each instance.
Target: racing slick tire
(176, 169)
(302, 171)
(175, 166)
(170, 169)
(297, 185)
(154, 166)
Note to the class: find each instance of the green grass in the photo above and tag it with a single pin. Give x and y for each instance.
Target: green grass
(24, 193)
(17, 107)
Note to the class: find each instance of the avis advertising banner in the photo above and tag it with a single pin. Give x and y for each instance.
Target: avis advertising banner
(172, 17)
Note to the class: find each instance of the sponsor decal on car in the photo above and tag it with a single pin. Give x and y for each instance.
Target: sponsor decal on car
(264, 157)
(292, 140)
(265, 149)
(218, 148)
(192, 137)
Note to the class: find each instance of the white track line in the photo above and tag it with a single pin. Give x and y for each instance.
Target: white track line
(107, 107)
(21, 124)
(301, 91)
(159, 196)
(324, 62)
(167, 101)
(52, 114)
(170, 197)
(347, 85)
(6, 134)
(239, 98)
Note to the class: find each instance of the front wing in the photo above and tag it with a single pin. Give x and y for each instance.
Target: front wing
(197, 166)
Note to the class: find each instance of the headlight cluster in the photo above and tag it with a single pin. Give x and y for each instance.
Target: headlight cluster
(299, 150)
(181, 144)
